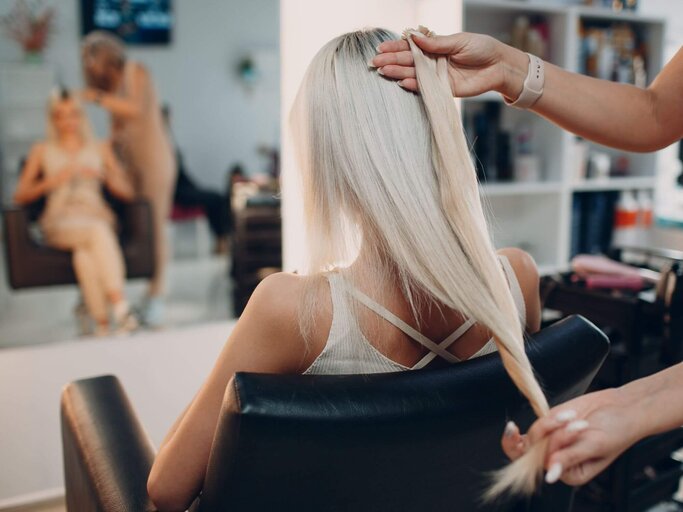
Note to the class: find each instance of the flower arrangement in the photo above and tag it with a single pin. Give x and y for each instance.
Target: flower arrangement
(29, 25)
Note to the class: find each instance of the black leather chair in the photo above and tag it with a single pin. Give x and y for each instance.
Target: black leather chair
(30, 263)
(409, 441)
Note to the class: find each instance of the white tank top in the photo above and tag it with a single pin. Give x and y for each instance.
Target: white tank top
(80, 196)
(347, 350)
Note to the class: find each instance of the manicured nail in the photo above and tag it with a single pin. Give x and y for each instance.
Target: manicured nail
(370, 64)
(379, 70)
(416, 33)
(511, 426)
(377, 49)
(554, 473)
(577, 426)
(566, 416)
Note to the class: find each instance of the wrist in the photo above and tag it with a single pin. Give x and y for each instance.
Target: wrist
(638, 402)
(515, 66)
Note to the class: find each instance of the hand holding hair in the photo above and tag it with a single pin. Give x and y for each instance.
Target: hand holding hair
(586, 434)
(476, 63)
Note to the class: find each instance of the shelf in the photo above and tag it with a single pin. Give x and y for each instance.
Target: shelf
(641, 182)
(516, 189)
(599, 13)
(507, 5)
(548, 269)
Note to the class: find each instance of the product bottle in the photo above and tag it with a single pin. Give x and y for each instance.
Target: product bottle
(645, 210)
(625, 220)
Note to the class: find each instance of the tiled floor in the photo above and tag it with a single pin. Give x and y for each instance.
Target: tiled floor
(56, 505)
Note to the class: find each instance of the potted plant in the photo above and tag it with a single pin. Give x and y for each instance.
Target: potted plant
(30, 26)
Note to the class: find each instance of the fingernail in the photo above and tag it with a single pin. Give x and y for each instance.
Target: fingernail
(379, 70)
(554, 473)
(566, 416)
(511, 426)
(377, 49)
(577, 426)
(370, 64)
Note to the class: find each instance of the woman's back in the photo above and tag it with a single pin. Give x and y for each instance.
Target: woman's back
(355, 334)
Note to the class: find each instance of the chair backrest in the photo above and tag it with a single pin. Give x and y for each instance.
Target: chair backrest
(408, 441)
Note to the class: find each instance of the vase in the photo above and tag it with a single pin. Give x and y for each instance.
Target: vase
(33, 56)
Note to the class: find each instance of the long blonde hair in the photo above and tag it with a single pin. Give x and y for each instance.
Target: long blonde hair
(390, 170)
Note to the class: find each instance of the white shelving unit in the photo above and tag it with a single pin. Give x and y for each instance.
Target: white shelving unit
(536, 216)
(24, 91)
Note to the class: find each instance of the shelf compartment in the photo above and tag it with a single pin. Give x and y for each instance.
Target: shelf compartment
(630, 183)
(519, 188)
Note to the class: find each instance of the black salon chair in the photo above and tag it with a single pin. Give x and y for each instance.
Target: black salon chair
(30, 263)
(409, 441)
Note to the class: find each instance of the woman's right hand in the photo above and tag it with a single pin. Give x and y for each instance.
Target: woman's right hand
(477, 63)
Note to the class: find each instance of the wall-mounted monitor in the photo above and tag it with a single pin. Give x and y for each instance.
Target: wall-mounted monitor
(137, 22)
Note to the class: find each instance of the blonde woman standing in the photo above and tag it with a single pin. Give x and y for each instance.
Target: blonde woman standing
(69, 168)
(126, 90)
(403, 274)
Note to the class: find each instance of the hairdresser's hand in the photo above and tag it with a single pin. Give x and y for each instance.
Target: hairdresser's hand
(585, 435)
(477, 63)
(90, 95)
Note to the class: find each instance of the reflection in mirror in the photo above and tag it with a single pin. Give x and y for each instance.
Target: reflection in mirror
(165, 212)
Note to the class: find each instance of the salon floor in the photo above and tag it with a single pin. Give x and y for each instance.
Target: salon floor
(199, 290)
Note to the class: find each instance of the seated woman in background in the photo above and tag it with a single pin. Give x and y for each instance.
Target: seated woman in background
(403, 274)
(69, 168)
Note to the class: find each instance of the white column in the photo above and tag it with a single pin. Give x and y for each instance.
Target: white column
(305, 25)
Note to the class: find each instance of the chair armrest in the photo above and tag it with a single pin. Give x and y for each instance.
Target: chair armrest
(107, 454)
(16, 224)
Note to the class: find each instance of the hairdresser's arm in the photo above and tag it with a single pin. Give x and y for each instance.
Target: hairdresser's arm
(617, 115)
(614, 420)
(266, 339)
(31, 186)
(115, 177)
(126, 107)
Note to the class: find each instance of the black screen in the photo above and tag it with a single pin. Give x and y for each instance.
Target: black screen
(137, 22)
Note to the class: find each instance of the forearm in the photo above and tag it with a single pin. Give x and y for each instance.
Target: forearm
(120, 188)
(33, 192)
(616, 115)
(120, 107)
(656, 401)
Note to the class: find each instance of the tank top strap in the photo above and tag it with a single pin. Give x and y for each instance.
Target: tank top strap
(400, 324)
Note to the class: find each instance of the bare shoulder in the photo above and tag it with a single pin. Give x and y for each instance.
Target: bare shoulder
(37, 150)
(270, 321)
(275, 303)
(526, 272)
(522, 263)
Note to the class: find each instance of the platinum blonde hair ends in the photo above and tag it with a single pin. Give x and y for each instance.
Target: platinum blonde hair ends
(389, 171)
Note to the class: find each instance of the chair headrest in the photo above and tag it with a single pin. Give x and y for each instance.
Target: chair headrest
(562, 355)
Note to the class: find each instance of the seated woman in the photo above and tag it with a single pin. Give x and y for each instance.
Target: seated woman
(403, 274)
(69, 168)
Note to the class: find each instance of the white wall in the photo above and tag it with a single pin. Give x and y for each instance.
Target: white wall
(305, 25)
(160, 371)
(216, 120)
